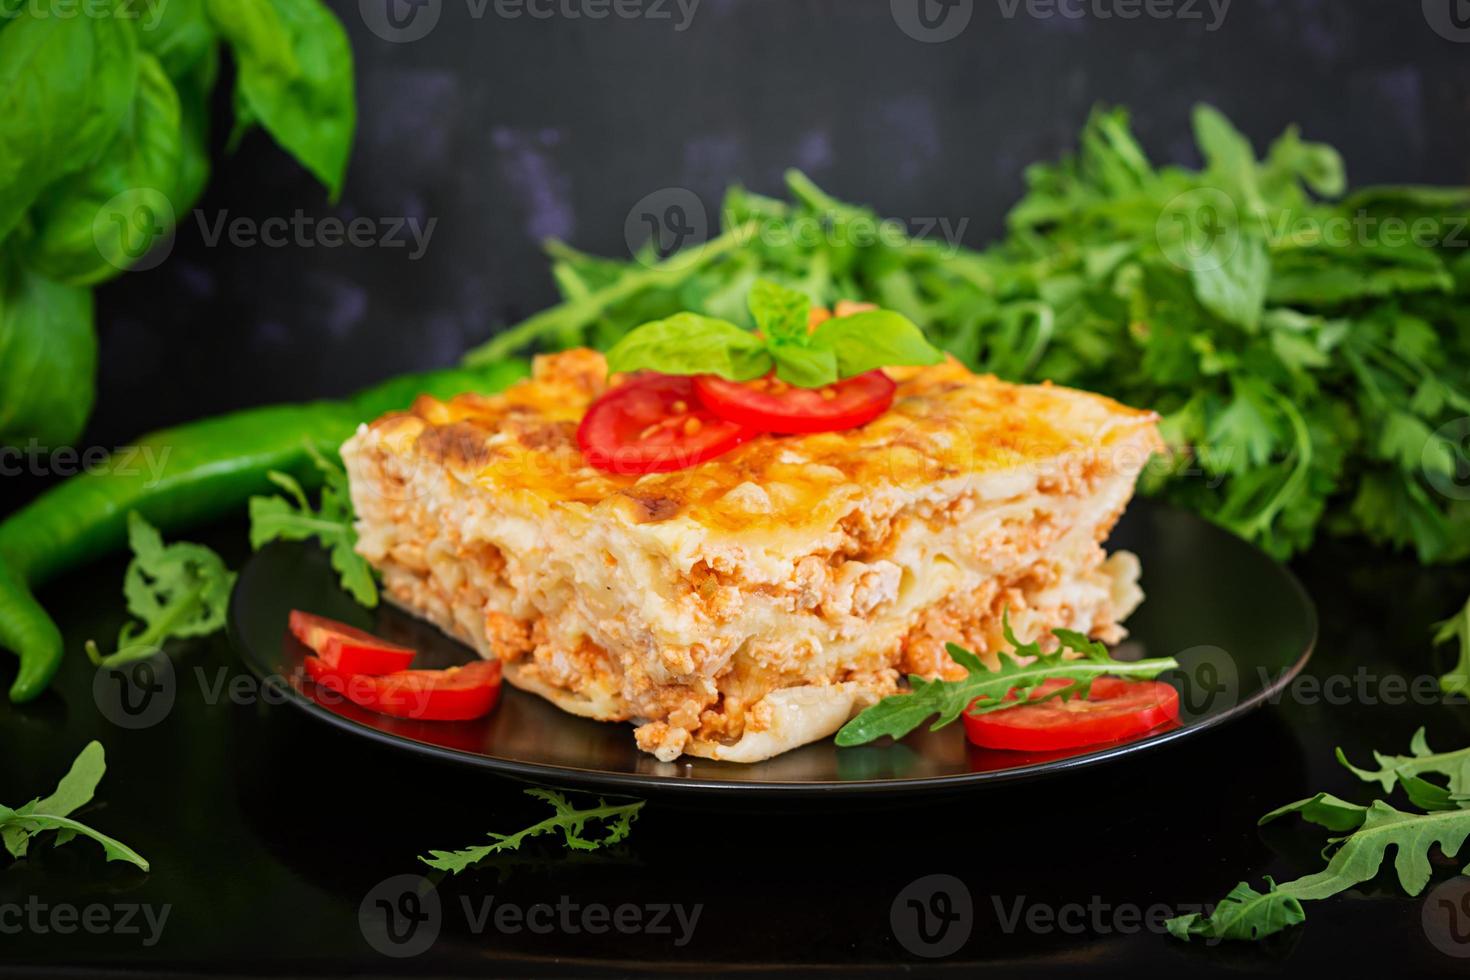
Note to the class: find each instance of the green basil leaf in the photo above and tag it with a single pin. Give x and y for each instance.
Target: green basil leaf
(780, 313)
(195, 88)
(48, 359)
(95, 224)
(65, 87)
(688, 343)
(874, 339)
(805, 367)
(177, 32)
(294, 76)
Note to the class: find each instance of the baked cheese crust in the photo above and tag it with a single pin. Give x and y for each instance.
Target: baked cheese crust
(756, 601)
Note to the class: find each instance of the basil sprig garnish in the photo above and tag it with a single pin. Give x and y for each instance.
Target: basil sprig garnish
(688, 343)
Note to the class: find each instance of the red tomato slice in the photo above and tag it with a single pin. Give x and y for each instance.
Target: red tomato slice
(770, 405)
(454, 694)
(346, 648)
(1115, 711)
(654, 423)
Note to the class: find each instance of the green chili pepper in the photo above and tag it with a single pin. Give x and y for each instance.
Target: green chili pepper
(200, 472)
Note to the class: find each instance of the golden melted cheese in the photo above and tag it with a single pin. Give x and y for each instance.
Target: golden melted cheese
(944, 422)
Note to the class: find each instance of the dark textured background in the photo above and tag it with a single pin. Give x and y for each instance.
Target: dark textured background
(510, 130)
(266, 830)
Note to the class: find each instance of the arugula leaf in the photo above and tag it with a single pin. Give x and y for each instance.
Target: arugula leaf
(331, 523)
(1394, 768)
(1325, 810)
(570, 822)
(20, 825)
(1244, 914)
(1456, 628)
(178, 590)
(688, 343)
(294, 77)
(1024, 668)
(1358, 855)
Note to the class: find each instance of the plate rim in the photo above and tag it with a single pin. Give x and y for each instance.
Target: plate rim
(578, 777)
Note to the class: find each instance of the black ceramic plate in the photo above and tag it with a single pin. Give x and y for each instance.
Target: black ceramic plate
(1240, 625)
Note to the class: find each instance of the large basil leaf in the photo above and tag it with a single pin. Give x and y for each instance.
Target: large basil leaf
(194, 88)
(873, 339)
(177, 32)
(294, 77)
(95, 224)
(688, 343)
(48, 359)
(66, 84)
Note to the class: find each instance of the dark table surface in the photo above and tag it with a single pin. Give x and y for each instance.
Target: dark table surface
(268, 832)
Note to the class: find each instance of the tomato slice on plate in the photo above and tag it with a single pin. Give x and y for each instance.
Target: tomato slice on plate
(1116, 710)
(654, 423)
(770, 405)
(347, 648)
(454, 694)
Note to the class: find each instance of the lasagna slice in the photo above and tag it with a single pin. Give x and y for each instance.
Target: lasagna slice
(754, 602)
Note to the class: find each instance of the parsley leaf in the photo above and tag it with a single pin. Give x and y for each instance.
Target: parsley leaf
(1021, 670)
(331, 523)
(570, 822)
(20, 825)
(176, 590)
